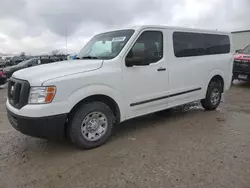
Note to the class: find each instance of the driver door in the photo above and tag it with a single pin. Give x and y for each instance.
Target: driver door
(145, 83)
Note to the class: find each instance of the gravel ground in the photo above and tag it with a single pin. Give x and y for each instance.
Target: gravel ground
(181, 148)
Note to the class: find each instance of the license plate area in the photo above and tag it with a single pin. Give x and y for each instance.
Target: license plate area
(242, 76)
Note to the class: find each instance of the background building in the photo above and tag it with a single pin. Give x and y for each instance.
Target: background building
(240, 39)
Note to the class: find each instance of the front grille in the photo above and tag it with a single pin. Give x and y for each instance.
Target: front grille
(242, 61)
(241, 66)
(18, 92)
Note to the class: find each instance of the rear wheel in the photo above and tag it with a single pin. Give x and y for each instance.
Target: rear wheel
(91, 125)
(213, 96)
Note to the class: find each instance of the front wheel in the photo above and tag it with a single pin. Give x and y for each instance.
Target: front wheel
(91, 125)
(213, 96)
(233, 78)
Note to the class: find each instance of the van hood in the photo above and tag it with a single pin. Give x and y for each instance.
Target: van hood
(39, 74)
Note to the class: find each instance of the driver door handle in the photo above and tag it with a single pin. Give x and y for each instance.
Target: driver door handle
(161, 69)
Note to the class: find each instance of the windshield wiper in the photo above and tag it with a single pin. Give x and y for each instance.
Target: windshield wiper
(89, 57)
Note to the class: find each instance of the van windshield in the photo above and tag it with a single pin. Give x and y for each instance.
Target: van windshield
(105, 45)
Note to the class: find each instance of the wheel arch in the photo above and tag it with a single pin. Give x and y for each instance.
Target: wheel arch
(100, 98)
(216, 75)
(102, 93)
(218, 78)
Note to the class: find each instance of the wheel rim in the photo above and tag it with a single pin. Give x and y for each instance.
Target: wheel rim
(94, 126)
(215, 96)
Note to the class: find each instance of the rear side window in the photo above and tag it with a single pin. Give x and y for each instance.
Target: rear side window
(197, 44)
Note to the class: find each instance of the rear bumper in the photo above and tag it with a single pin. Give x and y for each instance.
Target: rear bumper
(43, 127)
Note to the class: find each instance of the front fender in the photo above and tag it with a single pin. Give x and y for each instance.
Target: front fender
(91, 90)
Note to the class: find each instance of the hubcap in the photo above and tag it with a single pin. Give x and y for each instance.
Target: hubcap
(94, 126)
(215, 96)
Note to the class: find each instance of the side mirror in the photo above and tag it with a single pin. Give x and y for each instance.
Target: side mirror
(130, 62)
(238, 51)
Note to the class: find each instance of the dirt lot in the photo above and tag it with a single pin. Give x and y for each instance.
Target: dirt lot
(190, 148)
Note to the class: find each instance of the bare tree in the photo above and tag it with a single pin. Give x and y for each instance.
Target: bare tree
(55, 52)
(23, 54)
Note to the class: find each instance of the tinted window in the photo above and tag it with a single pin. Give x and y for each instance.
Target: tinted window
(26, 62)
(197, 44)
(30, 63)
(149, 46)
(45, 61)
(34, 62)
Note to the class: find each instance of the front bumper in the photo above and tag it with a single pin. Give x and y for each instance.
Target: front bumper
(242, 67)
(238, 76)
(3, 80)
(43, 127)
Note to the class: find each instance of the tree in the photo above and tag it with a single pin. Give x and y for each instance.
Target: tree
(55, 52)
(23, 54)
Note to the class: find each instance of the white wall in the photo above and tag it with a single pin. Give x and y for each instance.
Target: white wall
(240, 40)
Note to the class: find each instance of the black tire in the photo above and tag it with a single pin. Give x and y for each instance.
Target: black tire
(207, 102)
(78, 117)
(233, 78)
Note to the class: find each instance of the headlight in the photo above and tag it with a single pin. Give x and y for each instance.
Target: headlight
(42, 95)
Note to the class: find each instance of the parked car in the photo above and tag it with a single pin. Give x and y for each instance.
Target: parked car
(3, 78)
(16, 60)
(8, 71)
(117, 76)
(241, 68)
(2, 62)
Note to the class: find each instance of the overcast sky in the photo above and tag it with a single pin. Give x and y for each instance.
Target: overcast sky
(40, 26)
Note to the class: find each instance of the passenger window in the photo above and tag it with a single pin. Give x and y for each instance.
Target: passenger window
(147, 49)
(197, 44)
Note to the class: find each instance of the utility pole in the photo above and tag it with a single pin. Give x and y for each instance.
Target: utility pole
(66, 38)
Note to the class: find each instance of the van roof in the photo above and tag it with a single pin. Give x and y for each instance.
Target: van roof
(139, 27)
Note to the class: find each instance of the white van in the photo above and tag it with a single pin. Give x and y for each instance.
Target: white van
(117, 76)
